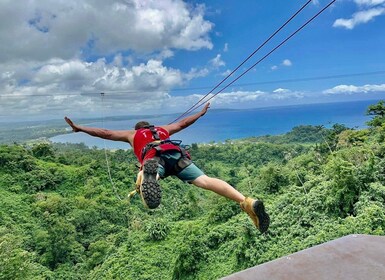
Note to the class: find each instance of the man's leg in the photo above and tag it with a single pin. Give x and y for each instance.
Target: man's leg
(254, 208)
(218, 186)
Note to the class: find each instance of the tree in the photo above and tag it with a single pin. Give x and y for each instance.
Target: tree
(272, 178)
(15, 261)
(43, 150)
(378, 111)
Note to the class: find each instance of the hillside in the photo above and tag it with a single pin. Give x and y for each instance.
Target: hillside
(61, 218)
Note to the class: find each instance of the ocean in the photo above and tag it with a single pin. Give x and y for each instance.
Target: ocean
(222, 125)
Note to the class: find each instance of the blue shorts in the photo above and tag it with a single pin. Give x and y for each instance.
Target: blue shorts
(189, 174)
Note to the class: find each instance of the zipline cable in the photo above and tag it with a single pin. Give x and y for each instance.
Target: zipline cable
(105, 152)
(251, 67)
(245, 60)
(263, 58)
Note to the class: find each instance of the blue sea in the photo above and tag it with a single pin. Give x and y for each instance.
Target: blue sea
(221, 125)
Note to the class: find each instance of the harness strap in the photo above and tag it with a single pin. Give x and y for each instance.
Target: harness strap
(150, 146)
(153, 131)
(169, 145)
(182, 163)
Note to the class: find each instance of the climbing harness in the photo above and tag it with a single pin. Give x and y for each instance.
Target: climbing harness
(163, 146)
(171, 145)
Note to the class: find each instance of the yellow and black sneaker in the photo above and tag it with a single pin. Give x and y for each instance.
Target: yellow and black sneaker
(149, 187)
(256, 210)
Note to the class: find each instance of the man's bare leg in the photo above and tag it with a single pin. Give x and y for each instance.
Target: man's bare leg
(218, 186)
(254, 208)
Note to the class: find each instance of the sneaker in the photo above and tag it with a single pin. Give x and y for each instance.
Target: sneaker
(149, 187)
(256, 210)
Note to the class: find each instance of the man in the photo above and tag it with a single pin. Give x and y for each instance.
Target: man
(160, 157)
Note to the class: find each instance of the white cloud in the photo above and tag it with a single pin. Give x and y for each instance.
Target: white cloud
(196, 73)
(217, 61)
(252, 99)
(352, 89)
(369, 3)
(287, 62)
(167, 53)
(359, 18)
(368, 10)
(315, 2)
(283, 94)
(40, 30)
(62, 83)
(226, 47)
(237, 97)
(226, 73)
(57, 50)
(281, 90)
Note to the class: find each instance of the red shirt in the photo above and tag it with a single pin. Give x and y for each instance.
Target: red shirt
(142, 137)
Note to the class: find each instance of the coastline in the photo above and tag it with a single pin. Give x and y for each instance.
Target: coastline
(222, 125)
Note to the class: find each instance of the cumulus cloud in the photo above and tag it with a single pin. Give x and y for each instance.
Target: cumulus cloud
(285, 94)
(284, 63)
(59, 55)
(359, 18)
(99, 76)
(79, 81)
(40, 30)
(251, 99)
(352, 89)
(368, 10)
(236, 97)
(74, 86)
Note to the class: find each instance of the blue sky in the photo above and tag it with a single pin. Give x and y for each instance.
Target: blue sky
(163, 56)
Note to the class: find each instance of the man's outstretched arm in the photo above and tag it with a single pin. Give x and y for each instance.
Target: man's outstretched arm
(182, 124)
(115, 135)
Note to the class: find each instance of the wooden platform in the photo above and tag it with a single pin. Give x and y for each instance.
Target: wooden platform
(353, 257)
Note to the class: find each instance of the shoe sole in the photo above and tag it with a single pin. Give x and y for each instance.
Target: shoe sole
(150, 188)
(263, 217)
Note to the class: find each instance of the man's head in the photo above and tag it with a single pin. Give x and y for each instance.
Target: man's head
(141, 124)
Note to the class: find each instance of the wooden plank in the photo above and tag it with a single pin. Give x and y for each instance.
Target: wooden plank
(353, 257)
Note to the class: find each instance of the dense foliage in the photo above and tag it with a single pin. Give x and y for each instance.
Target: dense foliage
(61, 218)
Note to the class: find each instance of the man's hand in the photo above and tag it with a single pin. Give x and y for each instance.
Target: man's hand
(204, 110)
(74, 126)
